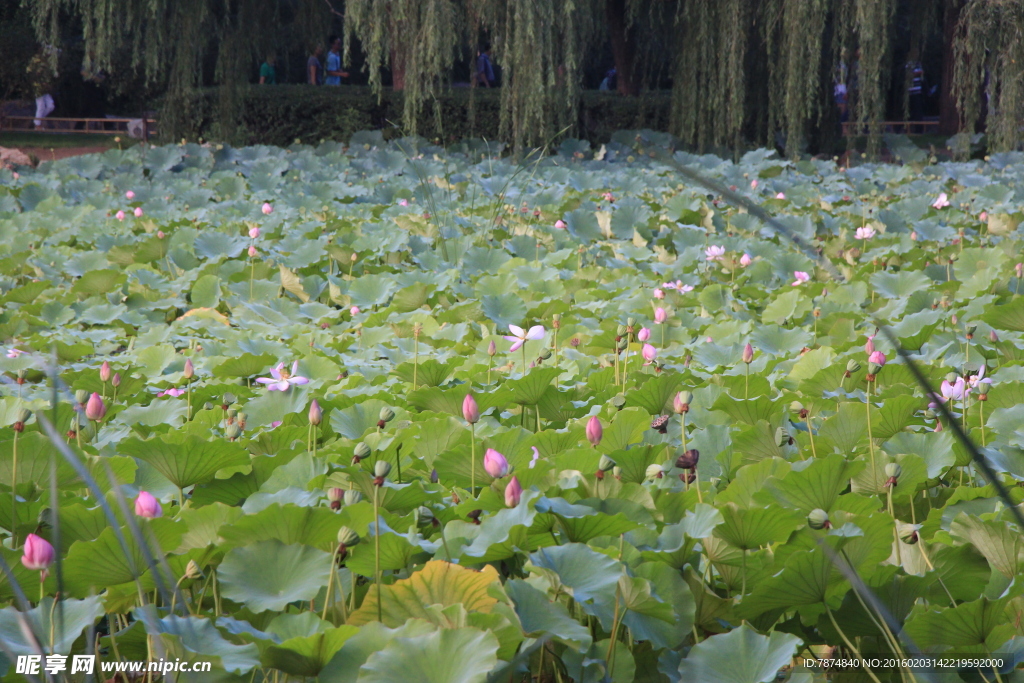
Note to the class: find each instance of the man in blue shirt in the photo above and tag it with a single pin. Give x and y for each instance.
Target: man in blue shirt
(484, 67)
(334, 70)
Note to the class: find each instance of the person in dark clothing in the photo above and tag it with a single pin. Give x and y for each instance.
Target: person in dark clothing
(484, 67)
(314, 67)
(268, 70)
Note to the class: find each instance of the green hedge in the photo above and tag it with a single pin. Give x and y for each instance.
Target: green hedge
(278, 115)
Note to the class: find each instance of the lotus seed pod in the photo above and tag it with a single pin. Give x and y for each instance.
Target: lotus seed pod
(818, 519)
(362, 450)
(242, 417)
(852, 366)
(951, 377)
(873, 369)
(23, 415)
(81, 396)
(381, 469)
(908, 532)
(630, 322)
(893, 470)
(782, 437)
(207, 406)
(347, 537)
(654, 471)
(335, 494)
(545, 354)
(971, 329)
(232, 413)
(605, 463)
(622, 344)
(424, 516)
(351, 497)
(192, 570)
(233, 431)
(688, 460)
(387, 415)
(228, 399)
(796, 406)
(620, 330)
(681, 402)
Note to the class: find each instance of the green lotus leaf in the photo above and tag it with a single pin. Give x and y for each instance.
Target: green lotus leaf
(504, 309)
(818, 484)
(74, 617)
(270, 574)
(189, 461)
(206, 291)
(530, 389)
(429, 372)
(540, 616)
(847, 430)
(289, 524)
(587, 575)
(102, 562)
(751, 528)
(244, 365)
(1002, 546)
(463, 655)
(307, 655)
(655, 395)
(977, 627)
(740, 656)
(193, 639)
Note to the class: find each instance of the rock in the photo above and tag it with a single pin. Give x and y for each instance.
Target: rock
(13, 157)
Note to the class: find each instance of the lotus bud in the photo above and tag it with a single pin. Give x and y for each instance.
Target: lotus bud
(470, 410)
(681, 402)
(818, 519)
(688, 460)
(192, 571)
(495, 464)
(434, 477)
(748, 354)
(190, 371)
(644, 334)
(492, 349)
(316, 414)
(594, 430)
(908, 532)
(992, 336)
(513, 492)
(660, 316)
(654, 471)
(954, 319)
(81, 396)
(869, 347)
(95, 408)
(115, 381)
(232, 431)
(381, 469)
(37, 554)
(105, 372)
(424, 516)
(852, 366)
(146, 505)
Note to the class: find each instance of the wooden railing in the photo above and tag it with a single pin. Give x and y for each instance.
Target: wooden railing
(96, 126)
(851, 128)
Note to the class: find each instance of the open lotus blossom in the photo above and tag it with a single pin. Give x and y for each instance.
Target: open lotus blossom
(37, 554)
(745, 260)
(678, 286)
(495, 464)
(281, 379)
(513, 492)
(877, 357)
(173, 391)
(119, 215)
(780, 195)
(659, 293)
(649, 353)
(660, 315)
(254, 232)
(865, 233)
(535, 458)
(644, 334)
(129, 195)
(267, 209)
(975, 382)
(138, 212)
(942, 202)
(519, 336)
(560, 224)
(801, 277)
(146, 505)
(956, 390)
(714, 253)
(14, 353)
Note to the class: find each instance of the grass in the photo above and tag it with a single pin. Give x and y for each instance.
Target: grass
(61, 140)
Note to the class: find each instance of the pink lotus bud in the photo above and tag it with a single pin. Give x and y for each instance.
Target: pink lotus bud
(470, 411)
(95, 409)
(748, 354)
(608, 197)
(138, 212)
(115, 381)
(780, 195)
(660, 315)
(869, 347)
(267, 209)
(119, 215)
(753, 184)
(354, 310)
(105, 372)
(594, 430)
(709, 339)
(495, 464)
(983, 217)
(659, 294)
(492, 349)
(316, 414)
(913, 235)
(878, 358)
(160, 234)
(129, 195)
(147, 506)
(190, 370)
(560, 224)
(513, 492)
(335, 494)
(37, 553)
(745, 260)
(403, 202)
(252, 251)
(1019, 269)
(649, 353)
(644, 334)
(992, 336)
(254, 232)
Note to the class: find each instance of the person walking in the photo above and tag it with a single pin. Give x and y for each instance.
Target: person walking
(43, 78)
(334, 71)
(314, 67)
(268, 70)
(484, 67)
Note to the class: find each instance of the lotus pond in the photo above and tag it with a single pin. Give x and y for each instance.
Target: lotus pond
(391, 412)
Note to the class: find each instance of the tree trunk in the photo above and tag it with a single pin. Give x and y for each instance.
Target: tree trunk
(397, 69)
(623, 46)
(949, 117)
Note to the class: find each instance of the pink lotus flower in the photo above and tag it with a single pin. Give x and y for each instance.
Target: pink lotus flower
(519, 337)
(146, 505)
(975, 381)
(942, 202)
(129, 195)
(119, 215)
(275, 424)
(252, 252)
(353, 311)
(470, 410)
(753, 184)
(649, 353)
(983, 217)
(678, 286)
(281, 379)
(403, 202)
(644, 334)
(316, 413)
(173, 391)
(495, 464)
(801, 277)
(714, 253)
(1019, 269)
(37, 554)
(560, 224)
(865, 233)
(745, 260)
(95, 409)
(748, 354)
(660, 316)
(913, 235)
(608, 197)
(160, 234)
(267, 209)
(535, 458)
(877, 357)
(658, 293)
(780, 195)
(594, 430)
(138, 212)
(957, 390)
(869, 346)
(709, 339)
(14, 353)
(513, 492)
(254, 232)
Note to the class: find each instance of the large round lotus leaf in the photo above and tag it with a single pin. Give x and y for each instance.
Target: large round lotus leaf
(740, 656)
(75, 616)
(269, 575)
(464, 655)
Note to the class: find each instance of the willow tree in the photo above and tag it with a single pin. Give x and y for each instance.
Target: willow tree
(989, 72)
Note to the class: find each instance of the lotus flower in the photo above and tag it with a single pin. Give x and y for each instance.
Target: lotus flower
(470, 410)
(745, 260)
(608, 197)
(252, 251)
(660, 315)
(129, 195)
(649, 353)
(753, 184)
(594, 430)
(316, 413)
(748, 354)
(160, 234)
(957, 390)
(519, 336)
(354, 311)
(105, 371)
(173, 391)
(975, 381)
(14, 353)
(877, 357)
(513, 492)
(147, 506)
(644, 334)
(983, 216)
(869, 346)
(95, 409)
(780, 195)
(119, 215)
(37, 553)
(714, 253)
(495, 464)
(560, 224)
(942, 202)
(267, 209)
(403, 202)
(865, 233)
(801, 277)
(275, 424)
(658, 293)
(913, 235)
(535, 458)
(281, 379)
(138, 212)
(254, 232)
(1019, 269)
(678, 286)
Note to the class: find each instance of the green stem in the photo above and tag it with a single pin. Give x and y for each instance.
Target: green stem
(682, 429)
(743, 579)
(415, 361)
(849, 644)
(871, 440)
(14, 494)
(330, 583)
(472, 459)
(746, 383)
(895, 529)
(376, 553)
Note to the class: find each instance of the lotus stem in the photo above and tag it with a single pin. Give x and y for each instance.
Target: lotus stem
(810, 433)
(612, 638)
(871, 440)
(14, 493)
(330, 584)
(174, 593)
(376, 551)
(746, 383)
(895, 531)
(472, 460)
(849, 644)
(415, 361)
(743, 574)
(981, 421)
(682, 429)
(252, 275)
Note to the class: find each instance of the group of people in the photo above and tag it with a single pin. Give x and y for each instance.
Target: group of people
(317, 72)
